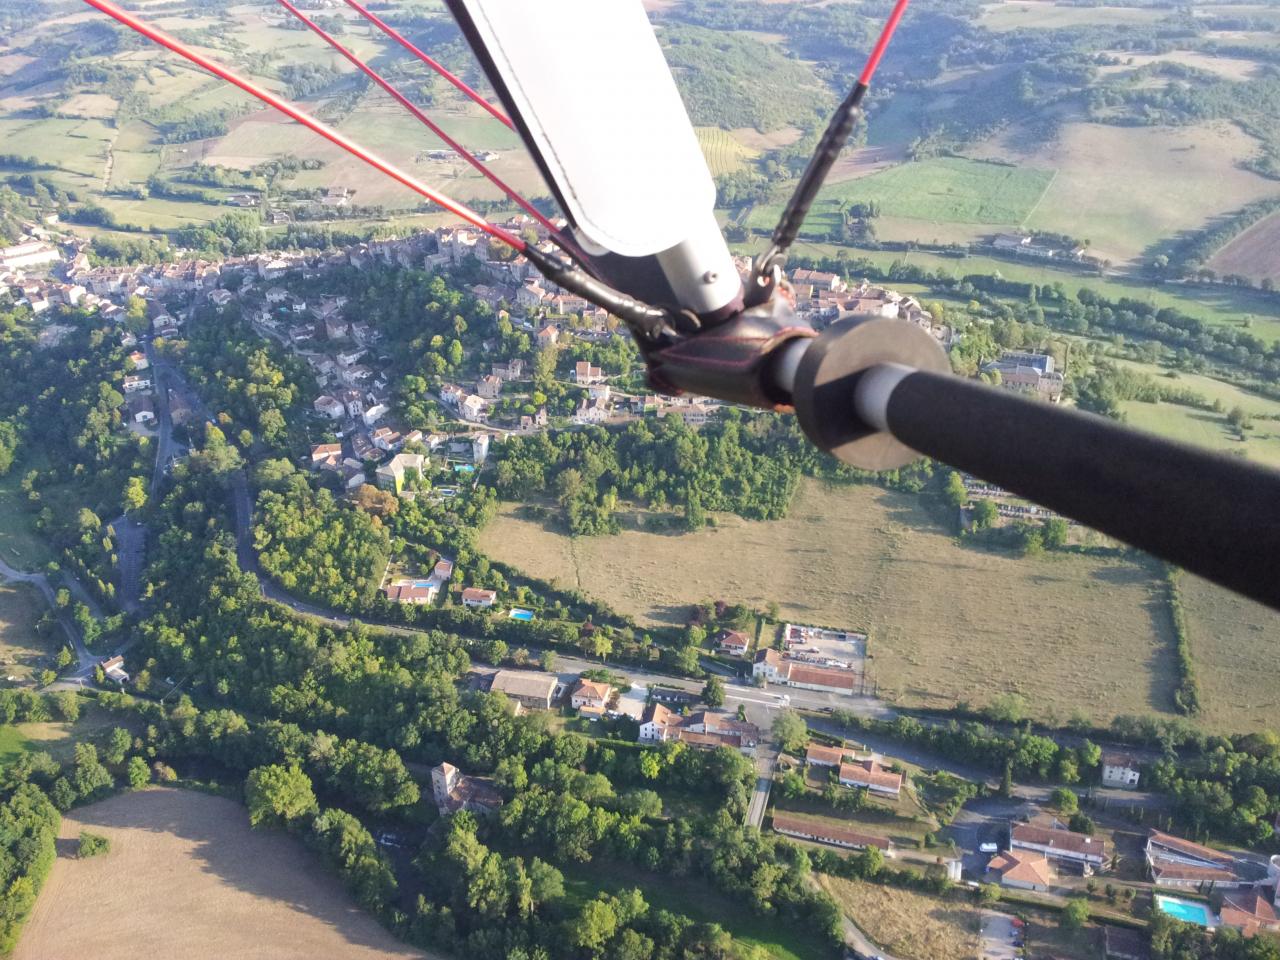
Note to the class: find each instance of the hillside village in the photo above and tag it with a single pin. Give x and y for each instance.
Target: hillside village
(1033, 850)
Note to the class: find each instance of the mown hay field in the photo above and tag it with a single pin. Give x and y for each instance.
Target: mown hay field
(948, 623)
(1235, 644)
(23, 654)
(187, 877)
(908, 924)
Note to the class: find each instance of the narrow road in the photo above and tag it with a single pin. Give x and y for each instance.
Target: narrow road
(41, 583)
(766, 759)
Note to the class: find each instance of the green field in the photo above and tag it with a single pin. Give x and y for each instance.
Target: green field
(946, 189)
(1204, 428)
(948, 623)
(697, 900)
(21, 545)
(1221, 305)
(12, 744)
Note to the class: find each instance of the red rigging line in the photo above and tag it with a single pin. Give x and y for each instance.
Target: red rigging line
(431, 62)
(409, 105)
(882, 44)
(308, 121)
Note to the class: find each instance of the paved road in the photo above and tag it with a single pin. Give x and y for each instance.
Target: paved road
(999, 934)
(766, 760)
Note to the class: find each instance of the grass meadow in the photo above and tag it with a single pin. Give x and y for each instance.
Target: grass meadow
(22, 652)
(945, 190)
(1236, 647)
(1047, 15)
(910, 925)
(1219, 305)
(948, 623)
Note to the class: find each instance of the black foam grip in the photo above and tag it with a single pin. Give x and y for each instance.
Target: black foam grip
(1215, 515)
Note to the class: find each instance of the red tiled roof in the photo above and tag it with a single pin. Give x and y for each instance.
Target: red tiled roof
(769, 656)
(821, 676)
(589, 688)
(871, 774)
(1250, 912)
(1188, 848)
(819, 753)
(475, 593)
(732, 638)
(1165, 870)
(1022, 868)
(787, 824)
(1065, 840)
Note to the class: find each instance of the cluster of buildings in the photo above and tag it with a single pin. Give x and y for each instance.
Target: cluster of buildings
(420, 591)
(860, 769)
(772, 666)
(823, 298)
(1033, 248)
(704, 729)
(1034, 374)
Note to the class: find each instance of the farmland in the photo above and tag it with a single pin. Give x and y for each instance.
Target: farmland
(180, 854)
(1220, 305)
(1233, 643)
(1047, 15)
(23, 654)
(1205, 428)
(910, 925)
(1255, 253)
(947, 623)
(947, 189)
(725, 153)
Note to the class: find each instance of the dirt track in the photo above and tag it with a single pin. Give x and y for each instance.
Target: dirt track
(187, 877)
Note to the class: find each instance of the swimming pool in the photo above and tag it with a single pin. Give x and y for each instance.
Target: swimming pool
(518, 614)
(423, 584)
(1185, 910)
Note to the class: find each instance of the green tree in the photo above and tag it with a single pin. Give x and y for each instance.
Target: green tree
(1065, 801)
(1076, 914)
(594, 925)
(277, 794)
(791, 784)
(713, 692)
(1055, 533)
(791, 731)
(984, 514)
(135, 494)
(137, 773)
(988, 894)
(92, 844)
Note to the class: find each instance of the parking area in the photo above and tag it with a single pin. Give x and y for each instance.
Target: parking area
(1002, 936)
(825, 647)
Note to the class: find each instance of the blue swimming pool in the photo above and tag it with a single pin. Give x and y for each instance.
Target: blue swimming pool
(518, 614)
(1185, 910)
(463, 468)
(423, 584)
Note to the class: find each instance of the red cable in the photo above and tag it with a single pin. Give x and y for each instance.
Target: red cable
(435, 65)
(882, 44)
(316, 126)
(408, 104)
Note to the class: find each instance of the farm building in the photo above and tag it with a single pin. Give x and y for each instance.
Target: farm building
(1022, 871)
(869, 775)
(828, 833)
(1175, 862)
(1060, 846)
(820, 755)
(527, 688)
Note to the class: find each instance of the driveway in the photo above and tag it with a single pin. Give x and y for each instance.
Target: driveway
(999, 934)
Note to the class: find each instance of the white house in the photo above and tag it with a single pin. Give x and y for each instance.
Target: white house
(1120, 770)
(331, 407)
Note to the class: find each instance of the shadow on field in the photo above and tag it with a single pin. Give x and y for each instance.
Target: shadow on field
(264, 863)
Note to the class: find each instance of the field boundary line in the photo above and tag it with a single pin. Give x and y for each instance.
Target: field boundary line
(1043, 193)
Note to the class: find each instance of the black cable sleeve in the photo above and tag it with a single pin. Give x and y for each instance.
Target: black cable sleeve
(815, 173)
(1215, 515)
